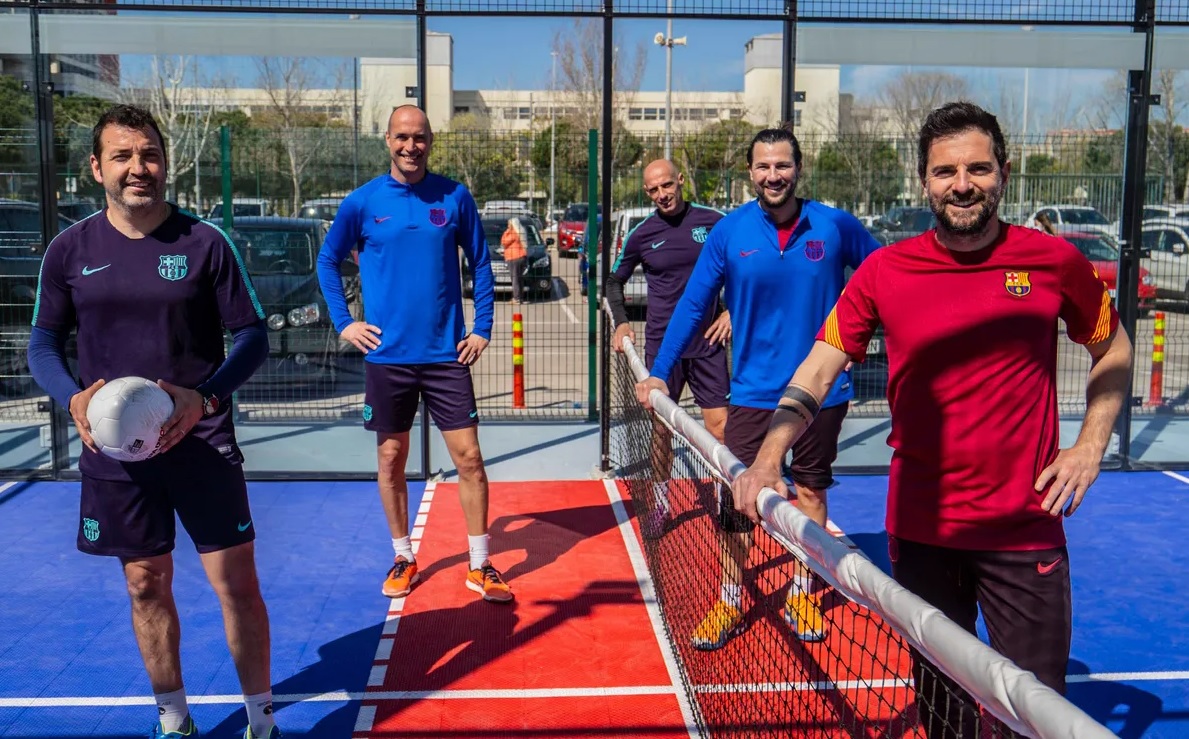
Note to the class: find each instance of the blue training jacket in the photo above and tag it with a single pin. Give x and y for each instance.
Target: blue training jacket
(408, 238)
(778, 299)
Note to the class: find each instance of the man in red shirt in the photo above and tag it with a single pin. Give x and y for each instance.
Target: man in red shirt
(978, 484)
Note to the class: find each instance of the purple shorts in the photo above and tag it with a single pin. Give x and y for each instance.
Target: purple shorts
(708, 377)
(135, 518)
(392, 392)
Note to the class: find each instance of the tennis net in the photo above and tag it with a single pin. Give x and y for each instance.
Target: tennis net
(887, 665)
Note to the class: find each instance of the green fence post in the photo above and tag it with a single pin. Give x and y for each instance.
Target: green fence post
(592, 280)
(225, 167)
(225, 155)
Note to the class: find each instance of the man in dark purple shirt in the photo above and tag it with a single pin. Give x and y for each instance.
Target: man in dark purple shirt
(667, 244)
(150, 290)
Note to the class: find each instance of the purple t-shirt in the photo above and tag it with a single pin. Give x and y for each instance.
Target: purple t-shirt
(668, 248)
(154, 307)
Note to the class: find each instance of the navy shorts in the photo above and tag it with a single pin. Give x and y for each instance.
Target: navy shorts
(392, 393)
(708, 377)
(813, 454)
(135, 518)
(1026, 605)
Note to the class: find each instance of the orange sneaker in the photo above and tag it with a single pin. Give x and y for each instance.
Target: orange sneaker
(400, 578)
(488, 582)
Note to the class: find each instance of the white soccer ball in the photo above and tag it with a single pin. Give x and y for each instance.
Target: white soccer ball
(126, 415)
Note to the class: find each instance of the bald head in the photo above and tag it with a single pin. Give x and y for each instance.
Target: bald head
(409, 139)
(662, 185)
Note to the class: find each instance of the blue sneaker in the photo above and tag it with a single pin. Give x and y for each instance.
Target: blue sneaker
(273, 733)
(188, 729)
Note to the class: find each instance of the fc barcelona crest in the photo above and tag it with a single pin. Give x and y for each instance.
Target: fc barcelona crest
(437, 216)
(1017, 283)
(699, 233)
(815, 250)
(172, 266)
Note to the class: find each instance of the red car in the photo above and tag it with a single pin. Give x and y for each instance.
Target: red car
(1102, 252)
(571, 227)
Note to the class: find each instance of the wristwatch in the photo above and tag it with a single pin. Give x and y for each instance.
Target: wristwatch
(210, 405)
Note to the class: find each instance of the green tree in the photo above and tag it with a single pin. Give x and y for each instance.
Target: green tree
(714, 160)
(18, 139)
(858, 172)
(570, 165)
(482, 159)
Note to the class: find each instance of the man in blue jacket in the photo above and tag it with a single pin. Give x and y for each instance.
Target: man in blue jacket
(407, 226)
(782, 260)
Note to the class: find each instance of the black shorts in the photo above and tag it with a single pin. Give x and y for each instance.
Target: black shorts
(392, 392)
(813, 454)
(709, 379)
(135, 519)
(1026, 605)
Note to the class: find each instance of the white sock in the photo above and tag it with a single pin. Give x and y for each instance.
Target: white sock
(660, 495)
(172, 709)
(732, 595)
(260, 717)
(478, 548)
(403, 547)
(802, 584)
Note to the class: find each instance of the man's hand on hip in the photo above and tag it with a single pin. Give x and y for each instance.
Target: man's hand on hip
(1072, 473)
(363, 335)
(470, 349)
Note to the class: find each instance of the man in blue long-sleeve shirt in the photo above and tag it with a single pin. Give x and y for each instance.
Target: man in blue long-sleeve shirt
(782, 260)
(150, 289)
(407, 226)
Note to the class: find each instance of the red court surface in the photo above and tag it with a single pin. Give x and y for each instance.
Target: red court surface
(575, 655)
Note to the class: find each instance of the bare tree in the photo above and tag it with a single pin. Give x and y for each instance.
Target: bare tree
(183, 103)
(909, 98)
(300, 110)
(1163, 130)
(580, 78)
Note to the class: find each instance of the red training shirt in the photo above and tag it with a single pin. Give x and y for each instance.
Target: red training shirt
(972, 378)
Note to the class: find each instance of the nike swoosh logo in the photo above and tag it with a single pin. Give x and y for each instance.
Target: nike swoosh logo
(244, 526)
(658, 243)
(1045, 569)
(473, 414)
(748, 253)
(381, 219)
(89, 271)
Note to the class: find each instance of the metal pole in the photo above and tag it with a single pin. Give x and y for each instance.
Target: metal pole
(608, 145)
(532, 140)
(225, 156)
(669, 83)
(355, 123)
(43, 101)
(1139, 98)
(592, 270)
(788, 61)
(553, 140)
(1024, 149)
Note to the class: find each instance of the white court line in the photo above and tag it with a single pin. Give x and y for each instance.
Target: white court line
(7, 485)
(383, 657)
(644, 580)
(1170, 473)
(569, 313)
(340, 696)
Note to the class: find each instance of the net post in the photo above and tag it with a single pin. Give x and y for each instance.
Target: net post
(592, 282)
(517, 360)
(1156, 388)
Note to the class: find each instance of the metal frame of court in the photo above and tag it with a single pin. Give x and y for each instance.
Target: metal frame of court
(873, 23)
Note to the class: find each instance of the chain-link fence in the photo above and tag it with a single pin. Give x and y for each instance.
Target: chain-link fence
(287, 168)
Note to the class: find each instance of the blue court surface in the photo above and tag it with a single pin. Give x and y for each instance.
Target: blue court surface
(69, 665)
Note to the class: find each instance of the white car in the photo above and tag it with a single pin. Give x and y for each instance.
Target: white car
(1079, 217)
(1166, 244)
(635, 292)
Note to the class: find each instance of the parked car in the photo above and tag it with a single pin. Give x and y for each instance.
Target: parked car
(77, 210)
(240, 207)
(572, 225)
(902, 223)
(323, 208)
(537, 279)
(281, 258)
(21, 251)
(1082, 217)
(1103, 253)
(1166, 251)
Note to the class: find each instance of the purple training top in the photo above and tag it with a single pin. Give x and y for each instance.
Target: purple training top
(154, 307)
